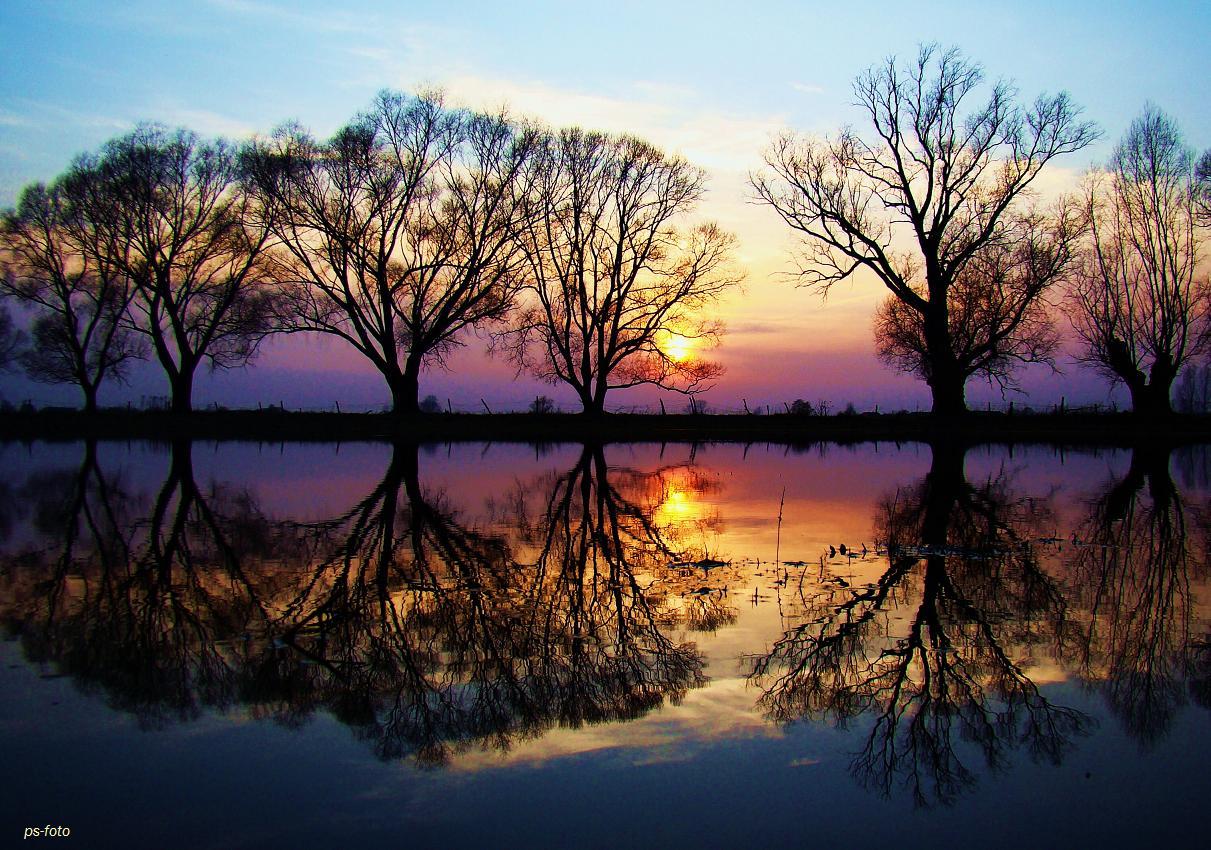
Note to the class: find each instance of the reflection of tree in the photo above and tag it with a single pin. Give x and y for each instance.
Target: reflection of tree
(928, 650)
(419, 631)
(150, 610)
(595, 541)
(1132, 563)
(437, 635)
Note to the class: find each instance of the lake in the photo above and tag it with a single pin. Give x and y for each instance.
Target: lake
(371, 645)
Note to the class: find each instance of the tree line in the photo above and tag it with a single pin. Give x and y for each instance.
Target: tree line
(412, 224)
(577, 252)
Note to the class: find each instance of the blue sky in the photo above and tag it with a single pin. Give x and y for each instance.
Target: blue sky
(705, 79)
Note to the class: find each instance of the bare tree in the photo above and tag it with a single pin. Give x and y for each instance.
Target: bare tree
(933, 208)
(1193, 392)
(56, 260)
(12, 340)
(1139, 304)
(397, 234)
(998, 313)
(171, 209)
(616, 289)
(1202, 175)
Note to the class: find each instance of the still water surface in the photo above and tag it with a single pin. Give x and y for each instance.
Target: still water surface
(309, 645)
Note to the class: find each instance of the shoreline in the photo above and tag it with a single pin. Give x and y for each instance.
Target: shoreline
(975, 428)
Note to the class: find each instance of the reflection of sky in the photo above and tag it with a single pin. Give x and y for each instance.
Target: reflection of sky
(78, 73)
(708, 769)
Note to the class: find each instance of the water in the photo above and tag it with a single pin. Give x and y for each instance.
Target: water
(240, 645)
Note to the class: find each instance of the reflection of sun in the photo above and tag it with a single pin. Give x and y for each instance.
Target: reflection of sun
(677, 348)
(678, 505)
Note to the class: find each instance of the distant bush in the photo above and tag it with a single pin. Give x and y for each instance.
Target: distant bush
(1193, 392)
(430, 404)
(849, 410)
(542, 405)
(802, 407)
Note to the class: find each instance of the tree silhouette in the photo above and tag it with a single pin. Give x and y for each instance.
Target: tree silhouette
(612, 282)
(438, 636)
(168, 211)
(56, 259)
(398, 233)
(149, 604)
(1133, 561)
(1139, 303)
(934, 207)
(997, 313)
(1202, 174)
(422, 633)
(12, 340)
(1193, 392)
(930, 651)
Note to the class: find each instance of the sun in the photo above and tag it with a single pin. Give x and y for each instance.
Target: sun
(677, 348)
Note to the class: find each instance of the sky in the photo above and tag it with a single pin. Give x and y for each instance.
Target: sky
(705, 80)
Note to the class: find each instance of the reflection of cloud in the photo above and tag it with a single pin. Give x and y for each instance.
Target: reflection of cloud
(723, 709)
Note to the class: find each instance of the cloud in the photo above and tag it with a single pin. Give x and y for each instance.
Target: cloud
(41, 115)
(207, 123)
(808, 88)
(761, 327)
(330, 21)
(673, 117)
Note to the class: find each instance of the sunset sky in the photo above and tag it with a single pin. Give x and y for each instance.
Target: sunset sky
(701, 79)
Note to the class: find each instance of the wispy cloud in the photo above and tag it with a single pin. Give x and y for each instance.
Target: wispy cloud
(39, 114)
(676, 118)
(330, 20)
(808, 88)
(207, 123)
(11, 119)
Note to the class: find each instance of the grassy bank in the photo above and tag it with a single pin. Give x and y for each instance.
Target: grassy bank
(1086, 428)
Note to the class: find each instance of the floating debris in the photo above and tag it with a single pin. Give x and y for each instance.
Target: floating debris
(924, 551)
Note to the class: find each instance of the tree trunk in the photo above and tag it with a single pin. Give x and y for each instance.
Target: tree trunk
(90, 397)
(946, 380)
(592, 403)
(405, 389)
(1151, 398)
(1149, 393)
(947, 385)
(1149, 465)
(943, 483)
(182, 391)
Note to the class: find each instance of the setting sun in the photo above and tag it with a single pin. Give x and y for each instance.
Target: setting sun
(677, 348)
